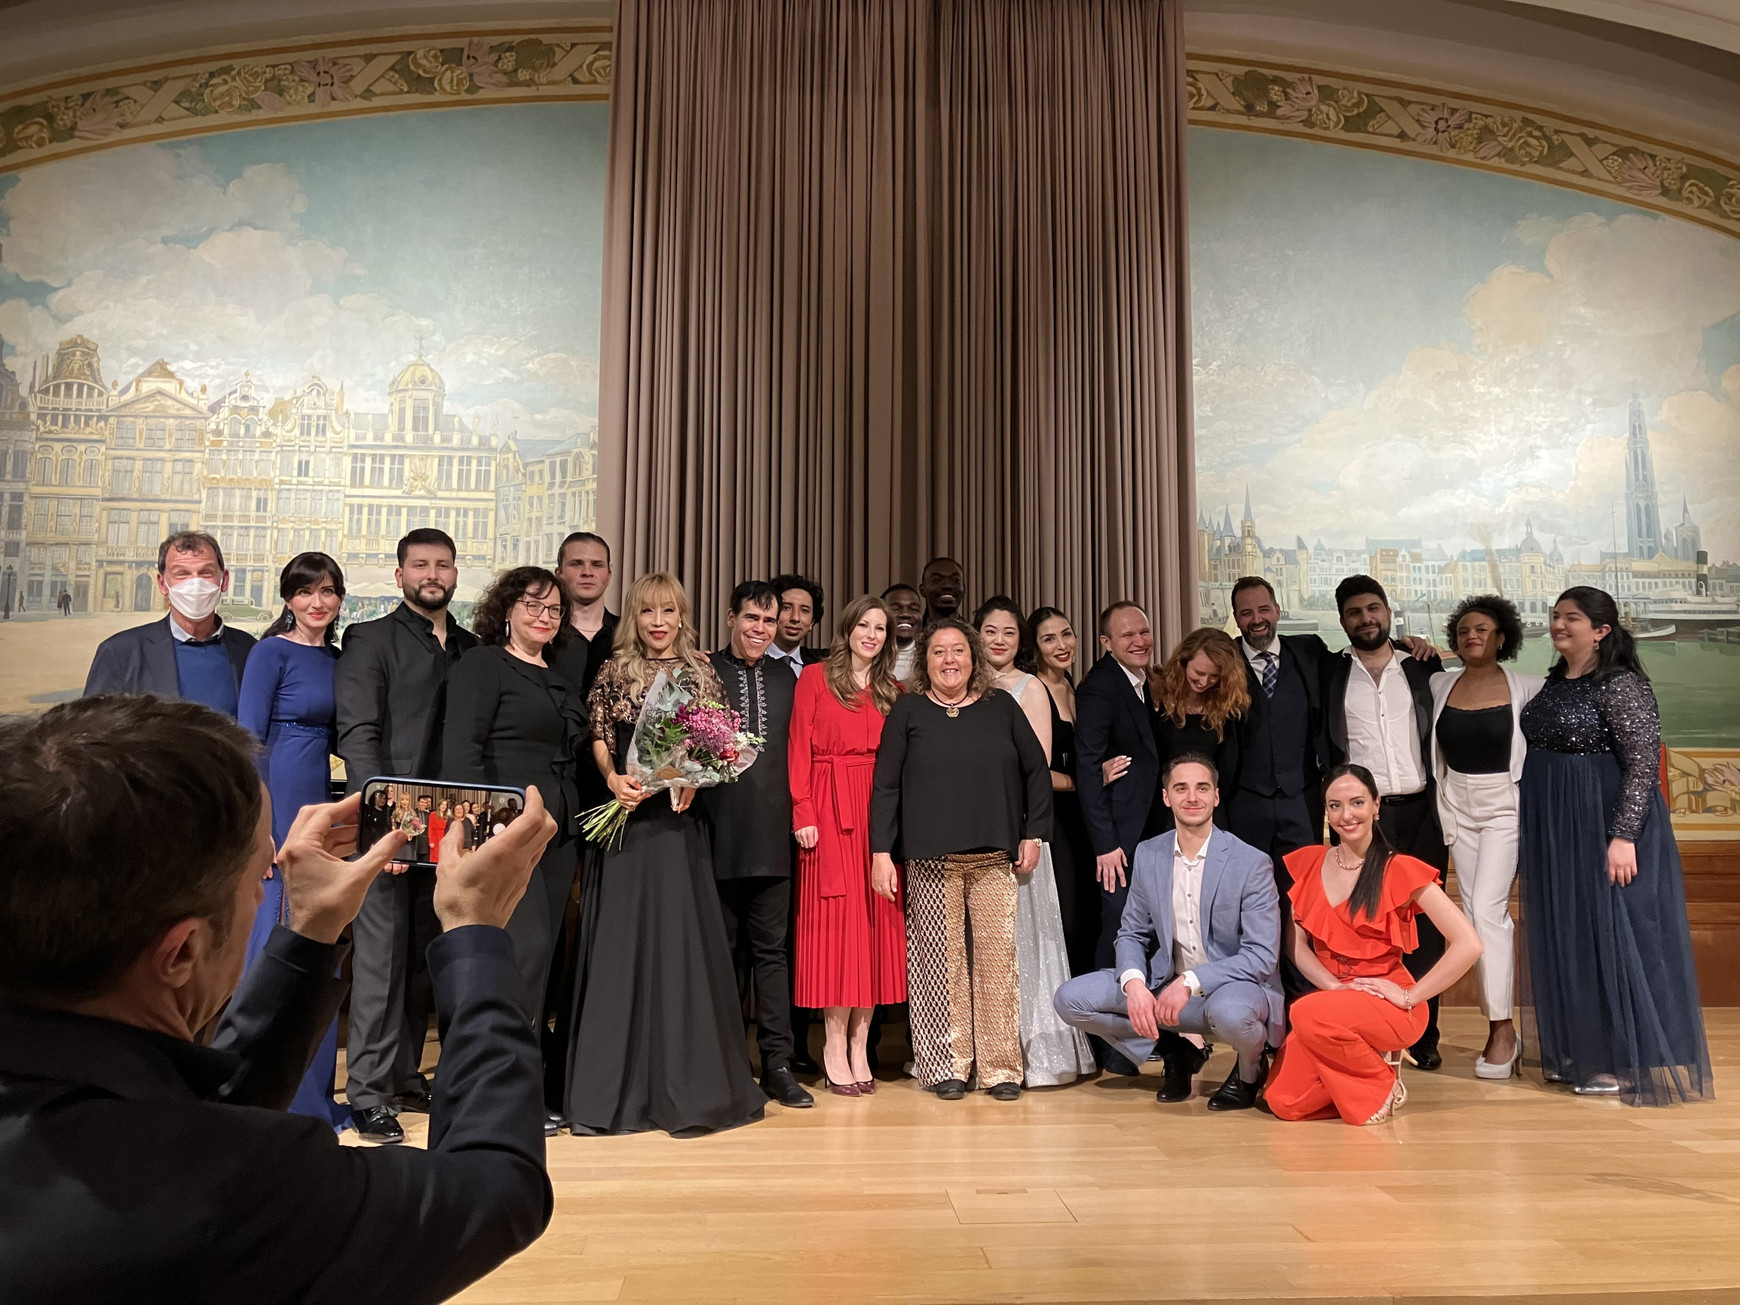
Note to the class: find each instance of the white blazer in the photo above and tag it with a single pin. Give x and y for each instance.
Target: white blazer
(1522, 688)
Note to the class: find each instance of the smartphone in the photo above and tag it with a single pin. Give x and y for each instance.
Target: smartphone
(426, 809)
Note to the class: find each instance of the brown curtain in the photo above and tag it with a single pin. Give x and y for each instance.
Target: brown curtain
(898, 278)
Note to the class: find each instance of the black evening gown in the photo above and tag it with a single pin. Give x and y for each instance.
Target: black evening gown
(1195, 735)
(658, 1040)
(1072, 854)
(1615, 992)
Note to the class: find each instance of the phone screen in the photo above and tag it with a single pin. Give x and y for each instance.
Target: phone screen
(427, 809)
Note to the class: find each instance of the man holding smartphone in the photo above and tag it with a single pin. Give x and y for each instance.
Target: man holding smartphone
(391, 687)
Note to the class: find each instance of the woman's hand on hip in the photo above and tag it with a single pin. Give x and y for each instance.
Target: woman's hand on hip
(1389, 990)
(884, 876)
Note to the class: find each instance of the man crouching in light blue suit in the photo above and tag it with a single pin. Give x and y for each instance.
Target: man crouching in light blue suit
(1198, 951)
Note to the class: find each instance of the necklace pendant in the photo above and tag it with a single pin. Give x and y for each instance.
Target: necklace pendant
(953, 712)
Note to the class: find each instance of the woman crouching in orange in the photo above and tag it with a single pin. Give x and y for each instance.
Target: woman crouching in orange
(1353, 918)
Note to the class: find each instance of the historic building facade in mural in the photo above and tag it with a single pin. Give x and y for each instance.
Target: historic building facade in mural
(101, 475)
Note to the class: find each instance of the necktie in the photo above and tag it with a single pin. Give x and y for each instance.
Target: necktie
(1270, 673)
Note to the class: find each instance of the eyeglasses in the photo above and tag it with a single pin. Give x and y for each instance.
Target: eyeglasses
(536, 609)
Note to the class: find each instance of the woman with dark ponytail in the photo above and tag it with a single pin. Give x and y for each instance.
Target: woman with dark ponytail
(286, 699)
(1354, 909)
(1610, 951)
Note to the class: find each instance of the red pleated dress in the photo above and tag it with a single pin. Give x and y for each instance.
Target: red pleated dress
(1333, 1062)
(851, 944)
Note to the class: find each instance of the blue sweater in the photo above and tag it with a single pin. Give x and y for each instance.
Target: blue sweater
(206, 674)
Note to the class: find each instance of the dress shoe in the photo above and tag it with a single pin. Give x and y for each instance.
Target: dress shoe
(841, 1089)
(779, 1084)
(950, 1089)
(804, 1063)
(1512, 1068)
(1114, 1061)
(554, 1122)
(1235, 1093)
(1006, 1092)
(867, 1086)
(1426, 1056)
(376, 1124)
(1181, 1067)
(417, 1101)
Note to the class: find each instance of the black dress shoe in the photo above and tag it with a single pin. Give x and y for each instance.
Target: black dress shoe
(779, 1084)
(1006, 1092)
(1235, 1093)
(417, 1101)
(376, 1124)
(950, 1089)
(1181, 1067)
(1426, 1057)
(1114, 1061)
(554, 1122)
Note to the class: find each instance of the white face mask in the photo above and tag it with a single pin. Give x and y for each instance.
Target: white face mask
(195, 599)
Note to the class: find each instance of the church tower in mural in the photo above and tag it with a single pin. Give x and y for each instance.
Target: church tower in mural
(1642, 512)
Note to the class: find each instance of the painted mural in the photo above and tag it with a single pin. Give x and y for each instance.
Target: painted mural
(313, 335)
(1462, 380)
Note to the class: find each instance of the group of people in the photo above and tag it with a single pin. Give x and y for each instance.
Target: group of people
(1054, 878)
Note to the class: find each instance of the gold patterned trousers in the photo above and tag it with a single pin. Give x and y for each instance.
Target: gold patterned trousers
(963, 1012)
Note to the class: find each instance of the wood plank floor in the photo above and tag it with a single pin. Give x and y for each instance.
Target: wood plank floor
(1097, 1193)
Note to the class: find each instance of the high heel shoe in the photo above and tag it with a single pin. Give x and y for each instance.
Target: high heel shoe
(866, 1088)
(841, 1089)
(1502, 1069)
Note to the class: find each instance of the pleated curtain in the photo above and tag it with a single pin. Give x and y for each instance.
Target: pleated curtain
(890, 279)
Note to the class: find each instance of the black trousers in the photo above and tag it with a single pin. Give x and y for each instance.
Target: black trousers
(390, 992)
(757, 918)
(1411, 825)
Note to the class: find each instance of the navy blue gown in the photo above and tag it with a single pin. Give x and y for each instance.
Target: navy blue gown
(286, 700)
(1615, 991)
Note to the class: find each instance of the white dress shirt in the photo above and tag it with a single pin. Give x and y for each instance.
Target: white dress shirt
(1137, 682)
(182, 636)
(1256, 658)
(1187, 948)
(1382, 734)
(793, 659)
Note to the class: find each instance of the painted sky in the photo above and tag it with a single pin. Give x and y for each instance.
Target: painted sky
(1392, 347)
(330, 248)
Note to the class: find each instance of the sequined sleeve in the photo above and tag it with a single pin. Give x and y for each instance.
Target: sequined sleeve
(1629, 711)
(703, 681)
(613, 702)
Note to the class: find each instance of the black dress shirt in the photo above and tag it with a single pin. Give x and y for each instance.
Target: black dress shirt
(140, 1167)
(391, 691)
(751, 819)
(975, 782)
(577, 660)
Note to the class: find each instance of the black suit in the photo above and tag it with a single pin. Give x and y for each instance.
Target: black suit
(1112, 720)
(512, 723)
(1409, 821)
(391, 690)
(137, 1166)
(142, 660)
(1277, 803)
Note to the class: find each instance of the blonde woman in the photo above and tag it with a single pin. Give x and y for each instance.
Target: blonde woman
(658, 1032)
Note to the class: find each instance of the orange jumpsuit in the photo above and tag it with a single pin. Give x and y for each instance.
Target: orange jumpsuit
(1332, 1063)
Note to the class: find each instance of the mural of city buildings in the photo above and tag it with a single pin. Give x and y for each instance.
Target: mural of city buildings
(95, 473)
(1659, 574)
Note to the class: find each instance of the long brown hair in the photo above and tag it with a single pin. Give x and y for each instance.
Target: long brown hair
(884, 688)
(1368, 889)
(1232, 697)
(625, 650)
(979, 685)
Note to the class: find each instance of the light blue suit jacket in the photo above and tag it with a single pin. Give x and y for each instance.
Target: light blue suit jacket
(1241, 920)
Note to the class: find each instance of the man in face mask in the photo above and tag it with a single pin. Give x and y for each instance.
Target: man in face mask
(190, 653)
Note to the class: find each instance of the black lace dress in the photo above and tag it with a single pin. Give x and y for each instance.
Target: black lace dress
(1615, 992)
(1072, 853)
(658, 1039)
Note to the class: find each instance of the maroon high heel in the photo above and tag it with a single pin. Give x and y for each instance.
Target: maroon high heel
(867, 1088)
(841, 1089)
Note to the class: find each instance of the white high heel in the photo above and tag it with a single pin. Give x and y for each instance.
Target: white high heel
(1512, 1068)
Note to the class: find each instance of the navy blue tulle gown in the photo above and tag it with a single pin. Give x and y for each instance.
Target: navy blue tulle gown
(286, 700)
(1615, 991)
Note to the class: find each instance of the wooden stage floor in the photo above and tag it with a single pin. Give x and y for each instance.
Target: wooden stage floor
(1097, 1193)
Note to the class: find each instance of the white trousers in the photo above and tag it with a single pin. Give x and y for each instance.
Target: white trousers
(1483, 835)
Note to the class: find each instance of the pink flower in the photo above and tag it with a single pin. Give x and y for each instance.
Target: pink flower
(330, 79)
(482, 65)
(101, 116)
(1439, 123)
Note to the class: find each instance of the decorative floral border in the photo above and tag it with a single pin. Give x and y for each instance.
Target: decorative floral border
(294, 84)
(1454, 127)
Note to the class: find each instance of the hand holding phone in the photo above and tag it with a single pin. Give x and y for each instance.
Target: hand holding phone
(322, 890)
(484, 886)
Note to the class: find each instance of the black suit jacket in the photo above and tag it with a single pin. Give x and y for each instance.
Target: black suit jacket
(1111, 720)
(1337, 669)
(509, 722)
(142, 660)
(136, 1166)
(391, 688)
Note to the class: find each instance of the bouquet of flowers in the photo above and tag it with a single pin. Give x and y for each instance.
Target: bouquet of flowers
(679, 741)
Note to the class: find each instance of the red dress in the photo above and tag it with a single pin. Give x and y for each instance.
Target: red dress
(1332, 1063)
(851, 944)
